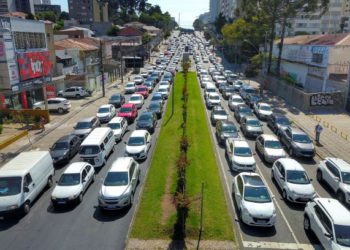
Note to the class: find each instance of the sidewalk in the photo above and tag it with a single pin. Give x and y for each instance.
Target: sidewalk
(335, 137)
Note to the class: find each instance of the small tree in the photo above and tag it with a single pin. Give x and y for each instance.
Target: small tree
(146, 38)
(113, 31)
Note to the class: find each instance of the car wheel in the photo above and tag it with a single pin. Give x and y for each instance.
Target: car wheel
(319, 176)
(341, 197)
(307, 227)
(80, 199)
(291, 152)
(60, 110)
(284, 195)
(26, 207)
(93, 178)
(49, 182)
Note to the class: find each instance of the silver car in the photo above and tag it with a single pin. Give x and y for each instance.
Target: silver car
(269, 148)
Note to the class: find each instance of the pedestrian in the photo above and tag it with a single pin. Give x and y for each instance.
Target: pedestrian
(42, 123)
(318, 130)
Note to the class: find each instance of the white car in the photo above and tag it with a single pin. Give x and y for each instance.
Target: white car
(137, 99)
(329, 220)
(71, 92)
(205, 83)
(336, 173)
(213, 99)
(119, 185)
(138, 79)
(292, 179)
(72, 184)
(253, 200)
(164, 83)
(60, 105)
(262, 110)
(240, 155)
(269, 148)
(130, 88)
(138, 144)
(164, 90)
(234, 101)
(119, 126)
(106, 112)
(144, 74)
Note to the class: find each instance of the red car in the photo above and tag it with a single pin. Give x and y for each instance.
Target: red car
(128, 111)
(142, 90)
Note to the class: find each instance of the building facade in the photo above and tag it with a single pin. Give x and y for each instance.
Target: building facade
(47, 7)
(214, 9)
(87, 11)
(227, 8)
(26, 6)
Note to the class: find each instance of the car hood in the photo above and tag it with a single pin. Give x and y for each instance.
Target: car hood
(236, 103)
(244, 160)
(306, 189)
(66, 191)
(113, 191)
(254, 129)
(136, 102)
(220, 117)
(129, 87)
(260, 210)
(264, 112)
(305, 146)
(117, 131)
(120, 114)
(135, 149)
(82, 131)
(275, 152)
(100, 115)
(58, 153)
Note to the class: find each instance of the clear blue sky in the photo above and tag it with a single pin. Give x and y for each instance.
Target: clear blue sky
(189, 9)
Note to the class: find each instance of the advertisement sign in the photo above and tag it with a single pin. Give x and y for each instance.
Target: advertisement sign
(34, 64)
(50, 91)
(13, 72)
(5, 23)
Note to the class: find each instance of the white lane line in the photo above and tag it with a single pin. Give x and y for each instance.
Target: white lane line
(279, 245)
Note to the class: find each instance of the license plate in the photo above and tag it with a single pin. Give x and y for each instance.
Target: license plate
(110, 206)
(61, 202)
(261, 221)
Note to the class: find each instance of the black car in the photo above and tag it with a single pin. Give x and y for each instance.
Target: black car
(65, 148)
(227, 92)
(252, 99)
(224, 130)
(117, 100)
(242, 111)
(278, 122)
(156, 107)
(222, 86)
(151, 80)
(147, 120)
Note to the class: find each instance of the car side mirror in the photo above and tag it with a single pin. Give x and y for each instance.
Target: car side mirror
(26, 189)
(125, 142)
(328, 235)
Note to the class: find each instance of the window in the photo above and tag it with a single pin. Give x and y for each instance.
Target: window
(27, 180)
(317, 58)
(83, 175)
(88, 168)
(327, 224)
(240, 185)
(105, 140)
(333, 169)
(288, 133)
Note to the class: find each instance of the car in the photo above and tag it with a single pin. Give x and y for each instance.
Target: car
(158, 97)
(251, 126)
(142, 90)
(253, 200)
(144, 74)
(269, 147)
(150, 80)
(72, 92)
(105, 113)
(137, 99)
(205, 83)
(72, 184)
(335, 173)
(149, 86)
(228, 92)
(119, 185)
(278, 122)
(242, 111)
(130, 88)
(212, 100)
(252, 99)
(224, 130)
(164, 84)
(222, 86)
(218, 113)
(168, 77)
(246, 90)
(117, 100)
(85, 126)
(119, 126)
(239, 155)
(61, 105)
(217, 78)
(156, 107)
(262, 110)
(234, 101)
(147, 120)
(164, 90)
(329, 220)
(138, 145)
(138, 79)
(238, 84)
(65, 148)
(297, 142)
(291, 178)
(129, 112)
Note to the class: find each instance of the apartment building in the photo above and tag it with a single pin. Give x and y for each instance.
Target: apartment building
(26, 6)
(214, 9)
(87, 11)
(227, 8)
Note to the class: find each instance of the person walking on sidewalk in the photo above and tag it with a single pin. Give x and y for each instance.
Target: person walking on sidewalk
(42, 123)
(318, 130)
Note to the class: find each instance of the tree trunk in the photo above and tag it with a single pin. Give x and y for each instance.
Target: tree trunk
(272, 38)
(284, 24)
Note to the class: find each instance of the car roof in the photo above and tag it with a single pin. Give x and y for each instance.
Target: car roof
(57, 99)
(278, 115)
(127, 105)
(213, 93)
(269, 137)
(226, 123)
(66, 138)
(121, 164)
(116, 94)
(342, 165)
(339, 214)
(138, 132)
(75, 167)
(116, 119)
(251, 118)
(106, 106)
(147, 113)
(252, 179)
(88, 119)
(241, 143)
(218, 108)
(291, 164)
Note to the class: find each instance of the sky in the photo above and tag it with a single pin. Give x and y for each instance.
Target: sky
(189, 9)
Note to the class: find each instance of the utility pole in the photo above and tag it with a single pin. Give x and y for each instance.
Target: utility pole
(102, 70)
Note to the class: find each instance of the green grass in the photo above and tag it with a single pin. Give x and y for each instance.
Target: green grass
(203, 168)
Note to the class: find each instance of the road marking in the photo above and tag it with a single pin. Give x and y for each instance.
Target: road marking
(278, 245)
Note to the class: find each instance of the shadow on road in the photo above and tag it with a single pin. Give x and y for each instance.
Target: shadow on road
(109, 216)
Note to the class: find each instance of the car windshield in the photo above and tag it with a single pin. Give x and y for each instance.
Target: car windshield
(273, 144)
(10, 186)
(253, 123)
(69, 180)
(342, 235)
(265, 108)
(229, 129)
(125, 109)
(162, 90)
(135, 98)
(238, 100)
(154, 106)
(242, 151)
(130, 85)
(116, 179)
(83, 125)
(136, 141)
(89, 150)
(103, 110)
(60, 146)
(245, 110)
(214, 97)
(250, 91)
(114, 125)
(145, 117)
(220, 112)
(115, 97)
(156, 98)
(297, 177)
(283, 121)
(142, 89)
(257, 194)
(300, 138)
(346, 177)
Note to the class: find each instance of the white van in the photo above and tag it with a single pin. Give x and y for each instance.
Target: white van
(97, 146)
(209, 88)
(22, 179)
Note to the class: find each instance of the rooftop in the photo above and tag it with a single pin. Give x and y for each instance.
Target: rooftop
(328, 39)
(120, 164)
(84, 44)
(75, 167)
(291, 164)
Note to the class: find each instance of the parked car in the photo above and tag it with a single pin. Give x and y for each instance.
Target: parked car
(71, 92)
(212, 100)
(157, 108)
(239, 155)
(253, 200)
(242, 111)
(72, 184)
(138, 145)
(130, 88)
(85, 126)
(119, 185)
(251, 126)
(129, 112)
(119, 126)
(60, 105)
(105, 113)
(138, 79)
(278, 122)
(252, 100)
(297, 142)
(291, 178)
(224, 130)
(137, 99)
(335, 173)
(65, 148)
(117, 100)
(234, 101)
(218, 114)
(262, 110)
(147, 120)
(329, 220)
(269, 148)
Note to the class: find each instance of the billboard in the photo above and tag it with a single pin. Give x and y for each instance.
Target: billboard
(34, 64)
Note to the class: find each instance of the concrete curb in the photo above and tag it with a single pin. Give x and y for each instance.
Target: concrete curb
(12, 139)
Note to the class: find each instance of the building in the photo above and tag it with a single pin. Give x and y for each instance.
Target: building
(46, 2)
(214, 9)
(205, 17)
(87, 11)
(26, 6)
(75, 32)
(227, 8)
(47, 7)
